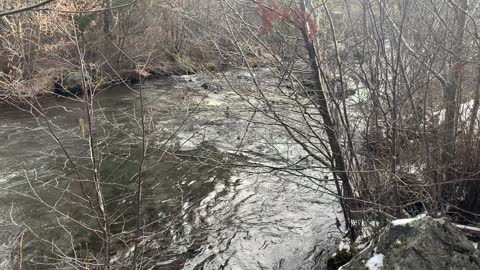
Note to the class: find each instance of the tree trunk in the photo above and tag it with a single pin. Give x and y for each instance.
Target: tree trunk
(476, 105)
(107, 15)
(345, 192)
(450, 95)
(451, 89)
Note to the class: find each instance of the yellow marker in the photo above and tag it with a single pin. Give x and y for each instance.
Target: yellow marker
(82, 127)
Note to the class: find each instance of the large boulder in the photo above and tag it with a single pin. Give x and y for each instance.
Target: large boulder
(70, 84)
(418, 244)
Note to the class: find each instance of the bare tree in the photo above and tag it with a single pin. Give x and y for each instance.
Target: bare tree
(24, 9)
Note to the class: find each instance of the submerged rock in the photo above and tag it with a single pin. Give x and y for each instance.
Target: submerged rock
(416, 244)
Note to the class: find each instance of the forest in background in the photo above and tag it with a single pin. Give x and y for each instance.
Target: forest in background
(409, 145)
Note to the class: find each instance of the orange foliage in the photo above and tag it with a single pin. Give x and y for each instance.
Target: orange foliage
(272, 11)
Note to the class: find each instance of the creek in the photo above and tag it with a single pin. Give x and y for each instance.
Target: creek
(208, 203)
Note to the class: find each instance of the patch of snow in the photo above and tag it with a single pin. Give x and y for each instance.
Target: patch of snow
(375, 262)
(344, 245)
(405, 221)
(465, 112)
(475, 245)
(469, 228)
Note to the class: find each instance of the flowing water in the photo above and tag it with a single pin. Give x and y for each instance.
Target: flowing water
(205, 208)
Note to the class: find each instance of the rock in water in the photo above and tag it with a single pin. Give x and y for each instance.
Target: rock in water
(214, 87)
(418, 244)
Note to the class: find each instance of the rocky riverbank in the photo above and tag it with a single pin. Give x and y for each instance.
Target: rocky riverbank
(59, 80)
(416, 244)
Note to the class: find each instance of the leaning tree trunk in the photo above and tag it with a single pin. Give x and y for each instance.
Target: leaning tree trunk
(345, 192)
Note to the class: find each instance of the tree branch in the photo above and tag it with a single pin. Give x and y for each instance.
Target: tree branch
(28, 8)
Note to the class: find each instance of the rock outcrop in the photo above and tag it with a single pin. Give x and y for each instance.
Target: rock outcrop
(418, 244)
